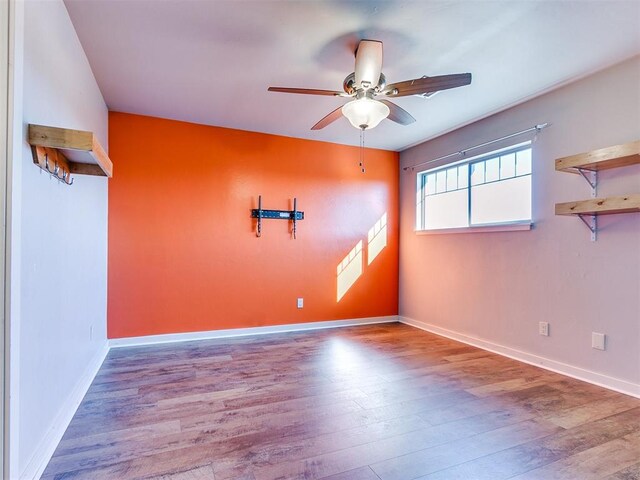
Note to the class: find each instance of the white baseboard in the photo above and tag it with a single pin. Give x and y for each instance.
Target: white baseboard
(43, 453)
(589, 376)
(242, 332)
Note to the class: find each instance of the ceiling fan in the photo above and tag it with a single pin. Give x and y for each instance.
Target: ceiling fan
(368, 82)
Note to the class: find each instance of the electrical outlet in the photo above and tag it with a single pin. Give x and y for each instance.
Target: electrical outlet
(543, 328)
(598, 341)
(91, 332)
(300, 302)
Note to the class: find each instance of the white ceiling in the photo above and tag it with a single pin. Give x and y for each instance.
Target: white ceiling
(211, 61)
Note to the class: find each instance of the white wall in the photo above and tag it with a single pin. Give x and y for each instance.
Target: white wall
(63, 240)
(496, 287)
(4, 142)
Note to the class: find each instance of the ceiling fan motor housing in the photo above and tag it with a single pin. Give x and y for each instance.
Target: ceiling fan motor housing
(349, 83)
(350, 87)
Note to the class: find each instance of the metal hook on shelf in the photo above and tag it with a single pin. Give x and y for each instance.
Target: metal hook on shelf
(57, 170)
(56, 166)
(66, 176)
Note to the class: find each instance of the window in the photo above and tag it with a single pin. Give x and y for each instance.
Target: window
(488, 190)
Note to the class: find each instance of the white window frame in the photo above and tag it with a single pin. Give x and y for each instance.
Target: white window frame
(490, 227)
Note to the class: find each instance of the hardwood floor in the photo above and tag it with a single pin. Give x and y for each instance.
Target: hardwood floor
(383, 402)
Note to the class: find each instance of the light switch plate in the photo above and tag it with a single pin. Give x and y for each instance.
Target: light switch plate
(300, 302)
(598, 341)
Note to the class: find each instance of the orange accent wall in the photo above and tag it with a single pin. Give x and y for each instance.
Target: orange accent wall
(183, 254)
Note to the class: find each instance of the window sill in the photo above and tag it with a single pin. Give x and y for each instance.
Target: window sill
(500, 227)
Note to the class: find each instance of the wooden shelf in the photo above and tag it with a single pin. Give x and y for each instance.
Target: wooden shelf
(602, 159)
(76, 150)
(601, 206)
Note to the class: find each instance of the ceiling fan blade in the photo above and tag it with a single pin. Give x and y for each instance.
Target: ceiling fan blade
(332, 117)
(368, 63)
(426, 85)
(307, 91)
(398, 114)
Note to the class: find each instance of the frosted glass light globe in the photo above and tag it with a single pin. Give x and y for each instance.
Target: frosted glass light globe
(365, 112)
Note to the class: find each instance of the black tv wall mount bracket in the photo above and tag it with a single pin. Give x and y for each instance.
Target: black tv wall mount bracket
(291, 215)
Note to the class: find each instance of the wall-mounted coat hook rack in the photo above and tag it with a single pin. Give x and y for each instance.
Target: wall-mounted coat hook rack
(53, 163)
(62, 151)
(291, 215)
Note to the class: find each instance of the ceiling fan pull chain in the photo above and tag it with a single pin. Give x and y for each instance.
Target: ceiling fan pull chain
(362, 149)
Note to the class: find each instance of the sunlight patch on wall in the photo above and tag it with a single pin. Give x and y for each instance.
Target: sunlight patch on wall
(349, 270)
(377, 238)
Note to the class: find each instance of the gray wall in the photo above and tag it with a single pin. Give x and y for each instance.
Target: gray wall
(496, 287)
(63, 237)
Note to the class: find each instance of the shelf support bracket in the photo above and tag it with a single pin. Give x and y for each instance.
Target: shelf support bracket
(591, 221)
(591, 176)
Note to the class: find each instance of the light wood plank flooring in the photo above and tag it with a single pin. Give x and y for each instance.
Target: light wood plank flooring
(383, 402)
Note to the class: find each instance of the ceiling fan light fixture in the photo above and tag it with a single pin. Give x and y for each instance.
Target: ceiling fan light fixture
(365, 112)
